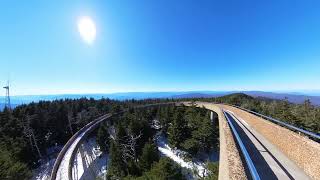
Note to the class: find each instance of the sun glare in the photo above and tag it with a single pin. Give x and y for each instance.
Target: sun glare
(87, 29)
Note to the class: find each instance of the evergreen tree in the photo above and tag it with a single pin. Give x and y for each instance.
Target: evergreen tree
(11, 169)
(165, 169)
(103, 137)
(177, 131)
(121, 133)
(117, 168)
(213, 173)
(202, 134)
(116, 108)
(205, 134)
(149, 155)
(191, 145)
(133, 168)
(165, 117)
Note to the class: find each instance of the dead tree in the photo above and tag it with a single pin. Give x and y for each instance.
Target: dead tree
(128, 147)
(29, 133)
(70, 121)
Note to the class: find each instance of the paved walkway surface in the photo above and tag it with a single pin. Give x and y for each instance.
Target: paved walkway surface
(270, 162)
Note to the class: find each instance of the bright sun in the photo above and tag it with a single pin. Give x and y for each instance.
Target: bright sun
(87, 29)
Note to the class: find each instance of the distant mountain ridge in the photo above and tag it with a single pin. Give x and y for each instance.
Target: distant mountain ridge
(292, 97)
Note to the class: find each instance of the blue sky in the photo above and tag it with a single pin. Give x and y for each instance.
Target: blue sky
(160, 46)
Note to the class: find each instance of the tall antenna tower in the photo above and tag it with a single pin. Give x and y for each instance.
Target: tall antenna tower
(7, 98)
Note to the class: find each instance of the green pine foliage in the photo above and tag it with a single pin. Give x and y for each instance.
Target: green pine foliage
(213, 169)
(149, 155)
(51, 124)
(191, 130)
(188, 128)
(304, 115)
(165, 169)
(103, 137)
(133, 128)
(117, 168)
(178, 129)
(11, 168)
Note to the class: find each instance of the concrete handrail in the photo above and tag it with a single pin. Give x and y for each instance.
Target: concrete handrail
(309, 133)
(230, 163)
(67, 145)
(251, 167)
(88, 130)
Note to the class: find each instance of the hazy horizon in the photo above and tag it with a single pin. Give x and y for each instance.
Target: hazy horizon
(296, 92)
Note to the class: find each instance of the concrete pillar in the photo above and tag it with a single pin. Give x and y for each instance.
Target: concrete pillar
(211, 116)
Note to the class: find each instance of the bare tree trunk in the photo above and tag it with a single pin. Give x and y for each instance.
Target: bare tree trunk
(29, 133)
(31, 144)
(128, 147)
(70, 119)
(36, 144)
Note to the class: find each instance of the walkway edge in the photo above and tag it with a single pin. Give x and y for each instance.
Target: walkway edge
(230, 163)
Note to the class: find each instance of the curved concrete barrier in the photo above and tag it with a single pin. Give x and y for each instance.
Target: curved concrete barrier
(230, 163)
(303, 151)
(78, 137)
(70, 142)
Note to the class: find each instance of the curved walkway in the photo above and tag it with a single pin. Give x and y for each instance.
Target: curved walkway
(272, 160)
(269, 161)
(62, 169)
(62, 165)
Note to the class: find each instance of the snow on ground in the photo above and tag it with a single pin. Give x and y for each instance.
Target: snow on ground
(90, 162)
(156, 124)
(44, 170)
(90, 159)
(177, 156)
(112, 132)
(62, 173)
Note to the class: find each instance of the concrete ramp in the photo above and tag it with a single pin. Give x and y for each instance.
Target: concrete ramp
(293, 155)
(269, 161)
(230, 163)
(275, 152)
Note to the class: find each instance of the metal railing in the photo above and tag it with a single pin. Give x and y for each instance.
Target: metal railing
(311, 134)
(251, 167)
(88, 128)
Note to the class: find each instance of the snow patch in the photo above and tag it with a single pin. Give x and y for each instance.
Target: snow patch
(44, 170)
(62, 172)
(177, 156)
(90, 161)
(156, 124)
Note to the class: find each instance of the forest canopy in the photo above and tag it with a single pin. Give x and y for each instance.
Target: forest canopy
(34, 132)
